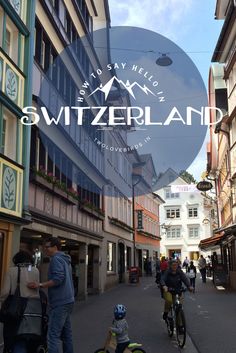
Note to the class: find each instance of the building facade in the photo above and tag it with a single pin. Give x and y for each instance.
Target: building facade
(16, 42)
(146, 215)
(66, 166)
(221, 166)
(183, 219)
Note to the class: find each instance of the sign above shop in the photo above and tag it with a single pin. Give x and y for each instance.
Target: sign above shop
(204, 185)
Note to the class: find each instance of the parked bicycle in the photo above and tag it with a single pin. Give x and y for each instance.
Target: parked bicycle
(111, 343)
(176, 318)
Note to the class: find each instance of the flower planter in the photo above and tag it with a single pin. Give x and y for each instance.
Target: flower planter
(72, 200)
(63, 195)
(91, 212)
(39, 180)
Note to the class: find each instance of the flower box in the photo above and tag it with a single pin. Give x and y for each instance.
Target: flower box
(39, 180)
(91, 211)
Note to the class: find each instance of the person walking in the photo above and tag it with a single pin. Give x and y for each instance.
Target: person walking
(192, 274)
(13, 341)
(60, 297)
(158, 271)
(202, 268)
(163, 265)
(208, 266)
(186, 264)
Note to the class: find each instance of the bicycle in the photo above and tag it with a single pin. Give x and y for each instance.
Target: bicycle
(176, 318)
(111, 343)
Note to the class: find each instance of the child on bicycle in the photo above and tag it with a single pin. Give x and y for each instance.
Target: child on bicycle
(120, 328)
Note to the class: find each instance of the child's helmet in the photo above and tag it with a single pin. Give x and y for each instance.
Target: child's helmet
(119, 311)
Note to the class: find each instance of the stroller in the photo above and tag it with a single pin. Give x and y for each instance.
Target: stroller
(32, 329)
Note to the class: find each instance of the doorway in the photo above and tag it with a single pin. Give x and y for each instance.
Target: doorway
(121, 262)
(175, 253)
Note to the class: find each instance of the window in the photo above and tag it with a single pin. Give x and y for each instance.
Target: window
(111, 257)
(11, 40)
(193, 212)
(193, 232)
(172, 213)
(8, 147)
(55, 4)
(173, 233)
(3, 135)
(171, 195)
(1, 26)
(8, 42)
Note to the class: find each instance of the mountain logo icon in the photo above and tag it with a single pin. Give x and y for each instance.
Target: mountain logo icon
(129, 87)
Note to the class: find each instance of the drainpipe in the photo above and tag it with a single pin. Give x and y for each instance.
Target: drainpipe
(28, 69)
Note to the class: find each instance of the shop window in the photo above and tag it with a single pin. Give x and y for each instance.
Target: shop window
(111, 257)
(8, 147)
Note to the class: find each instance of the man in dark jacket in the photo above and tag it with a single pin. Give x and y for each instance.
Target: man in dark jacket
(171, 282)
(60, 297)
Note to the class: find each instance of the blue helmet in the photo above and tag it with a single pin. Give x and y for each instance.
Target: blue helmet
(119, 311)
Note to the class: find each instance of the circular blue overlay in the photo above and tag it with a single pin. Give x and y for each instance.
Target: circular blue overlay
(134, 108)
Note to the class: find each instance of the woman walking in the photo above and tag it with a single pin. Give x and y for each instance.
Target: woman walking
(192, 274)
(14, 336)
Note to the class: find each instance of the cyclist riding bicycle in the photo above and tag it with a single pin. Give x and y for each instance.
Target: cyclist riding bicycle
(171, 282)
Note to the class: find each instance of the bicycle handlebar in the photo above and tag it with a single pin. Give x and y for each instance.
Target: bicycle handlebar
(177, 291)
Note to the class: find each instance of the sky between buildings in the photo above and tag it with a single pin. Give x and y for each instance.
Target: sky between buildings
(188, 23)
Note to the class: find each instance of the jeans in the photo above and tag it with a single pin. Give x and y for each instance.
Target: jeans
(203, 274)
(192, 282)
(59, 329)
(121, 347)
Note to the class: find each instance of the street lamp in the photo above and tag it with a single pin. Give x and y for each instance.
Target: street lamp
(164, 60)
(135, 181)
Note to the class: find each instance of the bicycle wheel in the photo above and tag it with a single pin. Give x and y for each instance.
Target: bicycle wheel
(181, 329)
(101, 350)
(138, 350)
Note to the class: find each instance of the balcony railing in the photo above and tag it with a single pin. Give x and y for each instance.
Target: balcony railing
(11, 185)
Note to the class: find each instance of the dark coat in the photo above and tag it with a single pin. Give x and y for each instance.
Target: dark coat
(174, 280)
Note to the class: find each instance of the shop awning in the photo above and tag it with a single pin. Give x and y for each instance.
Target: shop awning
(212, 242)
